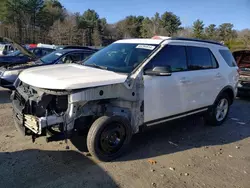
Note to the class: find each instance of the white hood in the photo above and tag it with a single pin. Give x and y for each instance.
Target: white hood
(69, 76)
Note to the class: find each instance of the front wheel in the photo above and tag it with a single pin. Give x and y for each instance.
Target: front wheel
(219, 111)
(108, 137)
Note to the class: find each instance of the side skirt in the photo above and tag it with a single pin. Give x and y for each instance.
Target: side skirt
(174, 117)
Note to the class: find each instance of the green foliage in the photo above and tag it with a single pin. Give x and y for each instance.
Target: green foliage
(48, 21)
(198, 29)
(226, 32)
(170, 23)
(211, 32)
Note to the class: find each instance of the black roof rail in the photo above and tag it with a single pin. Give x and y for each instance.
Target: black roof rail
(196, 40)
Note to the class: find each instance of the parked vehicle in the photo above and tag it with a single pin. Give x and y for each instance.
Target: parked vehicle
(46, 45)
(131, 84)
(9, 73)
(6, 49)
(243, 61)
(76, 47)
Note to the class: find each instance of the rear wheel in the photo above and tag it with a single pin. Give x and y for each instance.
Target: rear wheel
(108, 137)
(219, 111)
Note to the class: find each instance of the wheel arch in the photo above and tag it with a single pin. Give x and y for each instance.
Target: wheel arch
(229, 91)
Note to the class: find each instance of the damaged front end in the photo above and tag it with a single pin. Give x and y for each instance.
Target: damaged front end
(38, 111)
(35, 109)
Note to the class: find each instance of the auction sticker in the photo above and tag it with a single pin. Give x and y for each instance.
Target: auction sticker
(147, 47)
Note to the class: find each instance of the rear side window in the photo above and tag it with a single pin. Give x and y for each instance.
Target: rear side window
(170, 56)
(228, 57)
(200, 58)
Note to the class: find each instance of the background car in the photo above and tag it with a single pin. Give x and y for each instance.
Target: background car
(9, 74)
(6, 49)
(24, 56)
(242, 58)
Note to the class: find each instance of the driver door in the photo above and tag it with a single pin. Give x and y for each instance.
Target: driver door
(164, 95)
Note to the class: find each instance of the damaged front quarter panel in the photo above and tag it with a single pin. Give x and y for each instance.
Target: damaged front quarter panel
(53, 107)
(116, 99)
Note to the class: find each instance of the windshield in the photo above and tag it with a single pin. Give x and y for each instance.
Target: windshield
(120, 57)
(51, 58)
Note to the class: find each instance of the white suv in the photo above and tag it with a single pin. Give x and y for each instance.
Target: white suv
(130, 84)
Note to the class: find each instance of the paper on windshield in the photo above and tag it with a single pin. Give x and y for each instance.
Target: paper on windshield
(58, 54)
(147, 47)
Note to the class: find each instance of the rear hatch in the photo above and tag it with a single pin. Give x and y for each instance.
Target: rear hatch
(243, 61)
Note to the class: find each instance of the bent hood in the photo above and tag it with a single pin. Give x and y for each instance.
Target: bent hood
(69, 76)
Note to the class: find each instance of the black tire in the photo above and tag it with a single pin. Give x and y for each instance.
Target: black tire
(210, 117)
(101, 136)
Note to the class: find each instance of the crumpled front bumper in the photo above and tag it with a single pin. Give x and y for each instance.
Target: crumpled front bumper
(33, 123)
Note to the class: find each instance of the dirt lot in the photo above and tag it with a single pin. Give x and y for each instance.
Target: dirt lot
(187, 154)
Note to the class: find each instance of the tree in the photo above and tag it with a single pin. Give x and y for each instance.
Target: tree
(244, 36)
(185, 32)
(198, 29)
(211, 32)
(226, 32)
(89, 21)
(32, 9)
(147, 28)
(170, 23)
(130, 27)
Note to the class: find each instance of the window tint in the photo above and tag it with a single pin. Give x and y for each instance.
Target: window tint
(228, 57)
(172, 56)
(200, 58)
(46, 51)
(72, 58)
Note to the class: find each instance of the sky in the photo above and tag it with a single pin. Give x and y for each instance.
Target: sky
(236, 12)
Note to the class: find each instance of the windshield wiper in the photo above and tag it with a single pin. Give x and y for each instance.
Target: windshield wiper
(96, 66)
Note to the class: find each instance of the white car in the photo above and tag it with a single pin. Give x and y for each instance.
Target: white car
(6, 49)
(130, 84)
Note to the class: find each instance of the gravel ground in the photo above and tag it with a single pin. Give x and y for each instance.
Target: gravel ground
(185, 153)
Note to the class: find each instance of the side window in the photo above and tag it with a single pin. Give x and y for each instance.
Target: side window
(37, 52)
(86, 55)
(200, 58)
(228, 57)
(46, 51)
(72, 58)
(170, 56)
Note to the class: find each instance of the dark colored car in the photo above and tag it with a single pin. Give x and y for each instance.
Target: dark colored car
(243, 61)
(19, 57)
(9, 74)
(76, 47)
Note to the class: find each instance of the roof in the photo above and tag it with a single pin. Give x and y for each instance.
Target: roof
(73, 50)
(159, 39)
(140, 41)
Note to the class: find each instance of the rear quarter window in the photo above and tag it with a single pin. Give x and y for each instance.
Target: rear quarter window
(228, 57)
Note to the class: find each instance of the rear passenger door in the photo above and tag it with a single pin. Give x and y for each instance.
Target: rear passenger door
(204, 78)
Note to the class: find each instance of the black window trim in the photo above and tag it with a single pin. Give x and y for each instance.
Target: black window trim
(235, 62)
(171, 45)
(187, 55)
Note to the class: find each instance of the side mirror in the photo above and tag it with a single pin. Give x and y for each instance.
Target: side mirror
(159, 71)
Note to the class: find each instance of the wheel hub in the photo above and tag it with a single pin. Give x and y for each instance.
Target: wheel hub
(222, 109)
(112, 138)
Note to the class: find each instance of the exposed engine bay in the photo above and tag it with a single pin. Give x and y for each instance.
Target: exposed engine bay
(38, 110)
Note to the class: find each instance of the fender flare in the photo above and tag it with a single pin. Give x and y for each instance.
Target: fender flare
(223, 90)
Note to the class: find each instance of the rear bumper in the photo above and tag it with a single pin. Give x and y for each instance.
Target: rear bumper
(244, 88)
